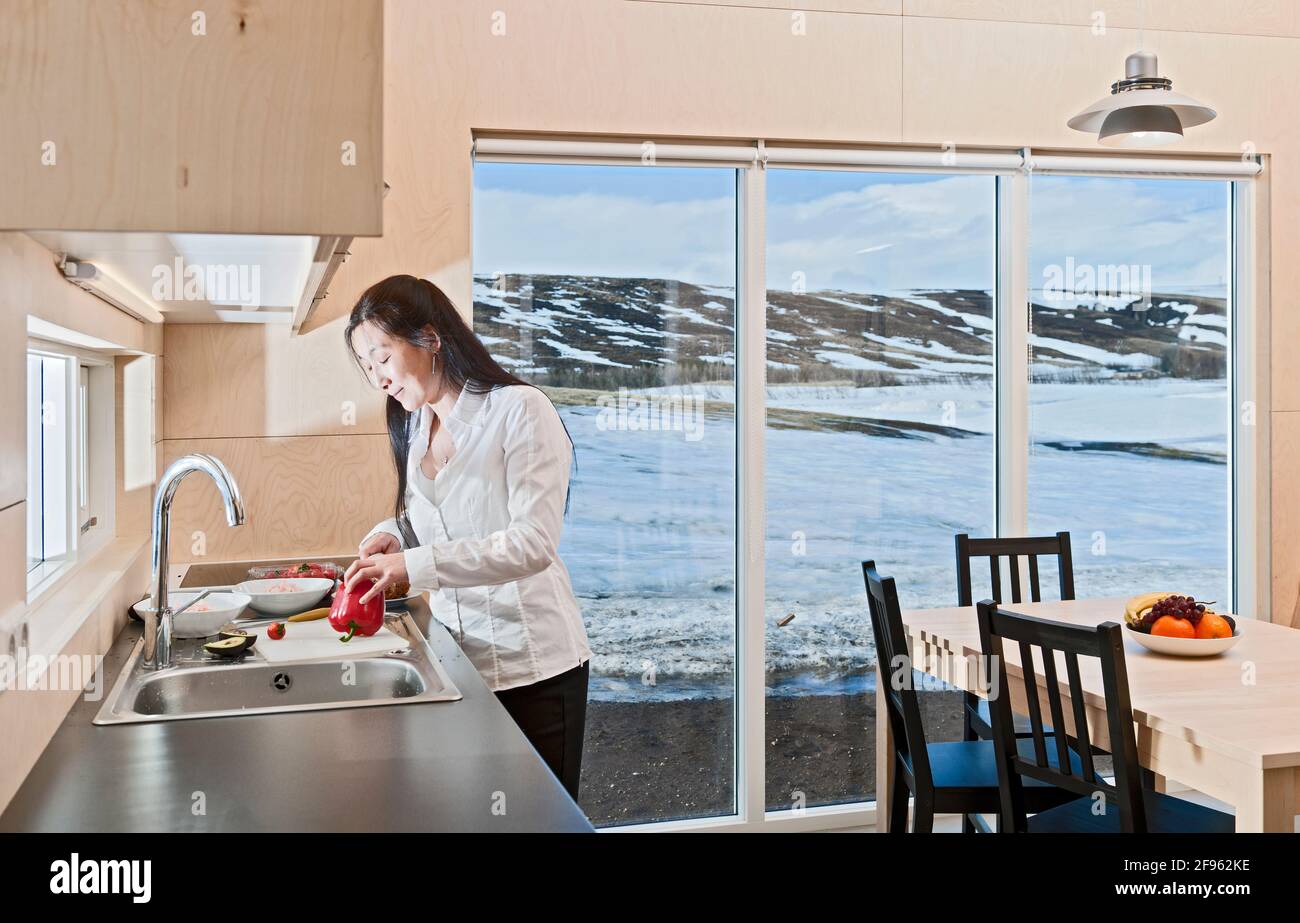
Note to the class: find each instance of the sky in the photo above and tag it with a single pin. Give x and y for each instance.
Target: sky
(854, 231)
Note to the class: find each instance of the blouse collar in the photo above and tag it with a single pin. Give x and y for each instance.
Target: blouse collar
(464, 413)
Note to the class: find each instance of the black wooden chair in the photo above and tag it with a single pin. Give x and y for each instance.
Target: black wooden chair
(953, 777)
(1122, 806)
(975, 715)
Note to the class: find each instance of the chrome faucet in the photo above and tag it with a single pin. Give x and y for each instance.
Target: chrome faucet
(157, 652)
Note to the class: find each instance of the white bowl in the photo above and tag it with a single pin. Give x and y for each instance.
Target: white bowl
(267, 596)
(214, 610)
(1184, 647)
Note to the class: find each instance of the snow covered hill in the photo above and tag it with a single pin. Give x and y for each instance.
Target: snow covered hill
(604, 332)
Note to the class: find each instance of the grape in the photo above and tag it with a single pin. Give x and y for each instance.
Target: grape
(1180, 607)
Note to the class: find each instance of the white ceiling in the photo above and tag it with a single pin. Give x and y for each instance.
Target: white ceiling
(198, 278)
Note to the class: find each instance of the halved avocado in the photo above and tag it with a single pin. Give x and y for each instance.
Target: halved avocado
(227, 647)
(227, 633)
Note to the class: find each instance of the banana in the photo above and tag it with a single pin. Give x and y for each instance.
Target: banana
(1134, 608)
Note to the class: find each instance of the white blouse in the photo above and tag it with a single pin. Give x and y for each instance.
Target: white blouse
(488, 525)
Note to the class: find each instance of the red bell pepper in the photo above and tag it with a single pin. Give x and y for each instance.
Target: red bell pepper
(349, 614)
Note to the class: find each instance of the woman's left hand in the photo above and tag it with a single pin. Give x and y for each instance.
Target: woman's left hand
(383, 569)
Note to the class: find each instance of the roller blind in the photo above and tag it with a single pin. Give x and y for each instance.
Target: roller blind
(1174, 167)
(935, 158)
(646, 152)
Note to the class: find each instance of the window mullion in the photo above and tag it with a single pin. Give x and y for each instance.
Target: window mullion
(751, 378)
(1011, 356)
(1248, 377)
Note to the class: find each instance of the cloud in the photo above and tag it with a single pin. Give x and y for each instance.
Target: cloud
(881, 236)
(885, 236)
(1177, 227)
(605, 235)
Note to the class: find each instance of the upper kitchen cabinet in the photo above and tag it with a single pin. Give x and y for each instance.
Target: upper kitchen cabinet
(221, 116)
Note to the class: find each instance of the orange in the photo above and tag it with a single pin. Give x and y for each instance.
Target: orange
(1213, 626)
(1172, 627)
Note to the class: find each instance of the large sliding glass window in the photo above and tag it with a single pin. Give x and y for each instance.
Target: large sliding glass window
(953, 342)
(879, 444)
(613, 289)
(1129, 392)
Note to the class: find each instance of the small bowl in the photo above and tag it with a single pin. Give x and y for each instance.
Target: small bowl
(1184, 647)
(214, 610)
(299, 595)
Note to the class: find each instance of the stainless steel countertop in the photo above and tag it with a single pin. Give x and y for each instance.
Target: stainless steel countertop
(437, 766)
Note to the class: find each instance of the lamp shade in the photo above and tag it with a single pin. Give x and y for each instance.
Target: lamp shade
(1139, 126)
(1142, 109)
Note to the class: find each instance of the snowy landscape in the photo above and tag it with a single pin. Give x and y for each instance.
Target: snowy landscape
(879, 445)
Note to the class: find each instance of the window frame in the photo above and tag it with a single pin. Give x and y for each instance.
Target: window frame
(1248, 375)
(89, 449)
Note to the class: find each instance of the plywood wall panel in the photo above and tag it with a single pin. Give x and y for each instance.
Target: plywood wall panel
(256, 380)
(1284, 191)
(135, 392)
(1253, 17)
(303, 495)
(14, 296)
(118, 116)
(13, 568)
(1007, 83)
(884, 7)
(1286, 518)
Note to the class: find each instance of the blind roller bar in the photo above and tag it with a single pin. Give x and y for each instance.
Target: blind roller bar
(650, 152)
(1143, 166)
(955, 159)
(646, 152)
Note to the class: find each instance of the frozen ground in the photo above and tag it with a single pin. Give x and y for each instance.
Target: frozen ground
(656, 576)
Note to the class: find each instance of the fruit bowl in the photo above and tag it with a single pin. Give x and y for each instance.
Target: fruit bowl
(1179, 625)
(1183, 647)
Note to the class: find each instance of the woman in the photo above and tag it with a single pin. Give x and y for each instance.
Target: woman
(482, 488)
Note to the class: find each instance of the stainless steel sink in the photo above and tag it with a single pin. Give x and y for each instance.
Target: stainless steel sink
(199, 685)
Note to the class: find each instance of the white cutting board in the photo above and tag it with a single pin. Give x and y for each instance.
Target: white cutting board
(316, 640)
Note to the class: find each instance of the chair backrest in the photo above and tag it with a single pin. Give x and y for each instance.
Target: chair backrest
(895, 660)
(995, 549)
(1073, 769)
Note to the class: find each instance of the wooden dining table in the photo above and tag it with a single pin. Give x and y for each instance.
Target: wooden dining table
(1227, 726)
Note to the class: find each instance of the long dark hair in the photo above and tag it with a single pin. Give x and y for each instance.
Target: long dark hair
(402, 306)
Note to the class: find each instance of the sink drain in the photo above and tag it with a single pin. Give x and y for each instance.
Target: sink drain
(281, 681)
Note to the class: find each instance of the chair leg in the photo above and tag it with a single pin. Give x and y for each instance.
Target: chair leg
(898, 807)
(922, 815)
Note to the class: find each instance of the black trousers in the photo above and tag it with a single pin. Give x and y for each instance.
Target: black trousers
(553, 715)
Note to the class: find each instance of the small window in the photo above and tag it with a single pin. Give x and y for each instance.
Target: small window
(83, 448)
(48, 443)
(61, 488)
